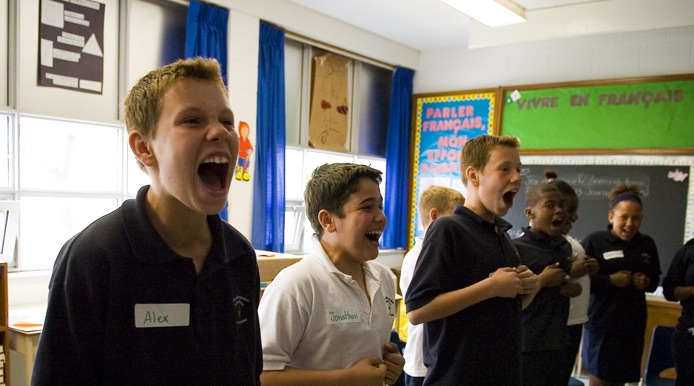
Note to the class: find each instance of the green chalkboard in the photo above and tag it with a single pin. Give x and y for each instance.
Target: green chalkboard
(665, 183)
(616, 115)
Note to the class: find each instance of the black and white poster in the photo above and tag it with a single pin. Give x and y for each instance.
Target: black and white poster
(71, 39)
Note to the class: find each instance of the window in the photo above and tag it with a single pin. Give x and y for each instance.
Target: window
(368, 92)
(65, 173)
(6, 153)
(297, 228)
(69, 174)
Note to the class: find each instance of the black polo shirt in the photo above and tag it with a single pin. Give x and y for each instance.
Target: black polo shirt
(544, 319)
(480, 345)
(681, 273)
(613, 309)
(119, 266)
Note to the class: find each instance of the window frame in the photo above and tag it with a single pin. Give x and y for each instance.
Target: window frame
(300, 242)
(16, 191)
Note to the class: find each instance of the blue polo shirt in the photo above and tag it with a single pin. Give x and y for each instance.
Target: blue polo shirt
(480, 345)
(115, 278)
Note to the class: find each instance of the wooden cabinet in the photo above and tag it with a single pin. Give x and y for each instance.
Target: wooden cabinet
(4, 328)
(660, 313)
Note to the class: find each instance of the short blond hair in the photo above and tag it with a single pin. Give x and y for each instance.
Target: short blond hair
(142, 106)
(477, 151)
(441, 198)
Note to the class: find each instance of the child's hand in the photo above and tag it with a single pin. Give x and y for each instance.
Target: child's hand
(394, 363)
(570, 289)
(506, 282)
(640, 281)
(578, 267)
(592, 265)
(369, 371)
(552, 276)
(530, 282)
(621, 279)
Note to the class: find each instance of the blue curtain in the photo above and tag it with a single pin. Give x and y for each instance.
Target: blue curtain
(206, 36)
(268, 190)
(397, 160)
(206, 33)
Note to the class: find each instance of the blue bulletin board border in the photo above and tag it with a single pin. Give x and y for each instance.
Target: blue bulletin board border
(442, 123)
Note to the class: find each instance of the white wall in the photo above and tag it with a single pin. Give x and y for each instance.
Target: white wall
(305, 22)
(650, 53)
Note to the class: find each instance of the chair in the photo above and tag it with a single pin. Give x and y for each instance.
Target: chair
(660, 357)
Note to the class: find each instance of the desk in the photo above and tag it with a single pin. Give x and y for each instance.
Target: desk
(660, 313)
(25, 343)
(25, 330)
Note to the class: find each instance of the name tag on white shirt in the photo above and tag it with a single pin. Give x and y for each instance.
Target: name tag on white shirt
(162, 315)
(343, 315)
(613, 254)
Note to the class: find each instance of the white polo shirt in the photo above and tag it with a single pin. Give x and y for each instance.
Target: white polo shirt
(578, 306)
(413, 352)
(312, 316)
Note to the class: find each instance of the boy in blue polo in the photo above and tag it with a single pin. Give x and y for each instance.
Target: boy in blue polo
(469, 287)
(161, 291)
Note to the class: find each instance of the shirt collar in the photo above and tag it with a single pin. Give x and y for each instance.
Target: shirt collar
(323, 259)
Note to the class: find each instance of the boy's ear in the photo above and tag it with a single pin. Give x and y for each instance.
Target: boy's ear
(433, 214)
(140, 148)
(528, 213)
(326, 220)
(472, 175)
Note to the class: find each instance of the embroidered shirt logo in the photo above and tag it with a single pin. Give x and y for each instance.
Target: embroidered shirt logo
(241, 309)
(390, 303)
(645, 258)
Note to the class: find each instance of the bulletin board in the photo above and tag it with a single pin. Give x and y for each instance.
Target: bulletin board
(599, 133)
(636, 113)
(442, 124)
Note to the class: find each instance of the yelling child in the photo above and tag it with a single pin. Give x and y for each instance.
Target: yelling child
(469, 287)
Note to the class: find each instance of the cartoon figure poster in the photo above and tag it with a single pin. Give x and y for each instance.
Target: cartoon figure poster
(245, 152)
(443, 124)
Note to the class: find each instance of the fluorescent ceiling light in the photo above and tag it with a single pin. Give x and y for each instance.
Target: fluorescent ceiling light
(493, 13)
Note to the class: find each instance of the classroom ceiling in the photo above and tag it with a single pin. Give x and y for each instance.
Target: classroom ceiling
(429, 25)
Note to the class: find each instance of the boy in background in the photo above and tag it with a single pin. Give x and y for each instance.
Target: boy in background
(434, 202)
(469, 287)
(544, 250)
(161, 290)
(327, 319)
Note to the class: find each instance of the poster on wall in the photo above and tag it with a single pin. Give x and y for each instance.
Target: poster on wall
(649, 113)
(71, 45)
(442, 125)
(328, 122)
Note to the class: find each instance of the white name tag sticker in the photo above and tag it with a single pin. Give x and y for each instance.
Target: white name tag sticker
(613, 254)
(343, 315)
(162, 315)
